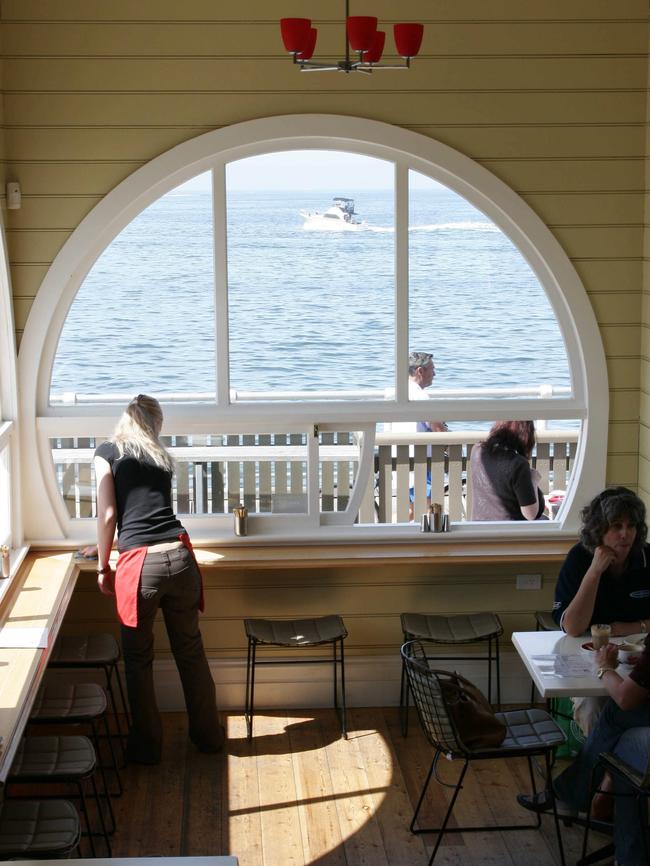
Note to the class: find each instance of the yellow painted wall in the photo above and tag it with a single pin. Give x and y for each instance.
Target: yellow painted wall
(369, 600)
(550, 95)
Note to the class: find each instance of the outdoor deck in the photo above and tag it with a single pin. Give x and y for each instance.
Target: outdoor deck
(301, 795)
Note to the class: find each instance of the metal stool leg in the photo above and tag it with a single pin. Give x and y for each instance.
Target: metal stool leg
(100, 812)
(250, 686)
(120, 685)
(498, 667)
(344, 709)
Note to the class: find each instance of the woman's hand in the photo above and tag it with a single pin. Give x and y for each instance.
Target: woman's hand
(106, 582)
(607, 656)
(603, 557)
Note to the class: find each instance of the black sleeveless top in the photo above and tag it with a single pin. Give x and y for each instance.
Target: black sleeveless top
(144, 500)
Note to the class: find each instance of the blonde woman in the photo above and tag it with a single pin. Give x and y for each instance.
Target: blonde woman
(155, 569)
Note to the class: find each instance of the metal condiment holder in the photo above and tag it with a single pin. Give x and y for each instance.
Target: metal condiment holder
(240, 516)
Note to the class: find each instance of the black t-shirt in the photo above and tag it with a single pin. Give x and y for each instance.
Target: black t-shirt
(622, 598)
(144, 500)
(501, 483)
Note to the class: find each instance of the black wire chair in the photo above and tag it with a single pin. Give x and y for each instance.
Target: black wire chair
(638, 782)
(529, 733)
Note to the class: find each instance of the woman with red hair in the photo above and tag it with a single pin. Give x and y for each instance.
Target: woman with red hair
(504, 485)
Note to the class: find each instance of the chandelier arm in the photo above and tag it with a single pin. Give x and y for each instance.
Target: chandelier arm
(318, 67)
(370, 66)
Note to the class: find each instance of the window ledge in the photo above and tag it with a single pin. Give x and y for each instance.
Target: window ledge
(318, 555)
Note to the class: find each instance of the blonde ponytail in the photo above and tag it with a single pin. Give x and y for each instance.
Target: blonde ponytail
(138, 430)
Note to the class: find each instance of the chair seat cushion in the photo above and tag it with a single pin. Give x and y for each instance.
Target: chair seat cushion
(53, 759)
(71, 702)
(296, 632)
(87, 650)
(530, 728)
(461, 628)
(37, 827)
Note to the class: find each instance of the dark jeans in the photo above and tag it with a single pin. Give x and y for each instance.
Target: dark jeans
(627, 734)
(171, 581)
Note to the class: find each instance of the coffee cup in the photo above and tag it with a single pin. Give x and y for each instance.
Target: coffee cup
(629, 652)
(600, 635)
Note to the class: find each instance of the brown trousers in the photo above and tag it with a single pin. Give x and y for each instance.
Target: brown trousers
(171, 581)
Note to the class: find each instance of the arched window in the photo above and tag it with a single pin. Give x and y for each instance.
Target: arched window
(267, 282)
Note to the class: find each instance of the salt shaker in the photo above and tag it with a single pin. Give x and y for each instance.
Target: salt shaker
(445, 523)
(435, 519)
(425, 525)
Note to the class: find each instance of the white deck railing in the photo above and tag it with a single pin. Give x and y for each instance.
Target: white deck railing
(268, 472)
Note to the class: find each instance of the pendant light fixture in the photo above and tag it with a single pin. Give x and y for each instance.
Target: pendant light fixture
(364, 44)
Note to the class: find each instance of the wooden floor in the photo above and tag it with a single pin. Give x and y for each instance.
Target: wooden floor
(298, 795)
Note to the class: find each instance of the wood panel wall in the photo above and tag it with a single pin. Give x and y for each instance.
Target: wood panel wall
(550, 95)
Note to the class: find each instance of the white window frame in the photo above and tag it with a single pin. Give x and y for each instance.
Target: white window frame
(213, 151)
(10, 513)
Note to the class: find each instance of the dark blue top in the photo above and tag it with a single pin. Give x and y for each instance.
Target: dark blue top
(144, 500)
(623, 598)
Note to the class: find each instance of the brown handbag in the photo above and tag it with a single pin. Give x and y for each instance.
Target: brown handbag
(476, 725)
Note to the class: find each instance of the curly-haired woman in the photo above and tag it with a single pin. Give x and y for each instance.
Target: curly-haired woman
(606, 576)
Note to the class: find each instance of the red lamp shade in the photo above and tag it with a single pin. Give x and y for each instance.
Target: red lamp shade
(308, 51)
(295, 33)
(361, 31)
(408, 38)
(373, 55)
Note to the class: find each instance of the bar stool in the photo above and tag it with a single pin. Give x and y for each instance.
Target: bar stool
(67, 760)
(453, 630)
(294, 633)
(93, 651)
(63, 703)
(38, 829)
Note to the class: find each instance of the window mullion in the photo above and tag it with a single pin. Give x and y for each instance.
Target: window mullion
(401, 282)
(220, 224)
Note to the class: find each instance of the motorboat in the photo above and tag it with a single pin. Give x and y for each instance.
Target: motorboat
(339, 217)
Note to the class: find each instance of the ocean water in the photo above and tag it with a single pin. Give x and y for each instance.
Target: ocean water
(308, 310)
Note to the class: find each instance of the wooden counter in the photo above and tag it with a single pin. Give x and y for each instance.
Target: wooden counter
(38, 597)
(282, 556)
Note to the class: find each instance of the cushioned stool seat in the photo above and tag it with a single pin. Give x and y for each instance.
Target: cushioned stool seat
(453, 630)
(59, 702)
(88, 651)
(38, 828)
(70, 702)
(294, 633)
(67, 760)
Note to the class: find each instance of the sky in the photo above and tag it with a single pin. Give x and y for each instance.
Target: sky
(306, 169)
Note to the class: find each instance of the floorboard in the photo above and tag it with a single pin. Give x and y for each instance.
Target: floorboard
(300, 795)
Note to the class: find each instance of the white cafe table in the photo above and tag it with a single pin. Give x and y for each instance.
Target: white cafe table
(532, 644)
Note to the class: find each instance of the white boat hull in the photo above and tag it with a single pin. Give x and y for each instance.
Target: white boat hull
(317, 222)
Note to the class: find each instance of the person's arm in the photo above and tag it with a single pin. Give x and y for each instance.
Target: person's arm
(623, 690)
(524, 489)
(530, 512)
(438, 426)
(106, 522)
(622, 629)
(578, 614)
